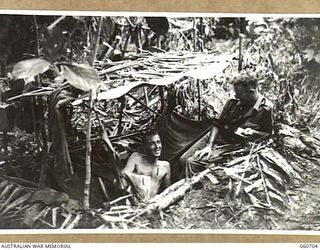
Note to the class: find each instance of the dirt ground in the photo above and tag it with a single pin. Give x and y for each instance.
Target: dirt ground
(212, 207)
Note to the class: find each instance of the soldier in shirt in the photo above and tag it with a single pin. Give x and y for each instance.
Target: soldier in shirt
(247, 117)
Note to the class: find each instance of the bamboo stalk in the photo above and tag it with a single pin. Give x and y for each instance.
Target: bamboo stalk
(96, 46)
(86, 191)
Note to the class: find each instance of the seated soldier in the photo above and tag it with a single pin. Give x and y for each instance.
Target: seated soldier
(245, 118)
(145, 171)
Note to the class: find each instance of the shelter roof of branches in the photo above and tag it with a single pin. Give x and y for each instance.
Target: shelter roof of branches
(143, 80)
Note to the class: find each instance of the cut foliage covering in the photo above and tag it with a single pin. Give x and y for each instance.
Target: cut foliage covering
(93, 85)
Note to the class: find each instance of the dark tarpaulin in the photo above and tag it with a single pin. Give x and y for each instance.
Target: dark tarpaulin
(178, 134)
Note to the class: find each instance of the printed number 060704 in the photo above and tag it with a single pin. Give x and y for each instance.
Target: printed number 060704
(308, 245)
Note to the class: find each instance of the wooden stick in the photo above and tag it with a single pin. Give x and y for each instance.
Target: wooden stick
(86, 192)
(120, 199)
(104, 190)
(145, 91)
(150, 109)
(51, 26)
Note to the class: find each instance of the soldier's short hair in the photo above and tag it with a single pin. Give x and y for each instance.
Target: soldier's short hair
(147, 135)
(245, 80)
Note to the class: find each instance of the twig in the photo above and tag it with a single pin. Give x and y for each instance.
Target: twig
(237, 214)
(150, 109)
(103, 188)
(216, 220)
(51, 26)
(120, 199)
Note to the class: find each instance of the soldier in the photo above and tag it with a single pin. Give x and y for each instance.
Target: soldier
(247, 117)
(145, 171)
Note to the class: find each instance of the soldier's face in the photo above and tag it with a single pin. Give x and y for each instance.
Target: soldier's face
(153, 146)
(245, 94)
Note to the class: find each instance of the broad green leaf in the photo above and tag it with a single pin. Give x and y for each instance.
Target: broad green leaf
(30, 68)
(81, 76)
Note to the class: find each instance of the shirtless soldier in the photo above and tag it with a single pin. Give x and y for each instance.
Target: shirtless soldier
(144, 169)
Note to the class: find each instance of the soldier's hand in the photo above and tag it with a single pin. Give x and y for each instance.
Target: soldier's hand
(245, 132)
(203, 153)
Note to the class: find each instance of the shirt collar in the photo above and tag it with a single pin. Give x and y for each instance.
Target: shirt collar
(260, 101)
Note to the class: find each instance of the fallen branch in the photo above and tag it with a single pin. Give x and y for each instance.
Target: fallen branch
(168, 197)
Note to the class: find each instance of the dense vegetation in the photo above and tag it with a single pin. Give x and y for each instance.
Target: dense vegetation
(58, 65)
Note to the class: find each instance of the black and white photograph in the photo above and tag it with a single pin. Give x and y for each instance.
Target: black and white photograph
(171, 121)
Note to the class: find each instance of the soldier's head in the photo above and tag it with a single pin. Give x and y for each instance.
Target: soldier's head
(245, 88)
(151, 144)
